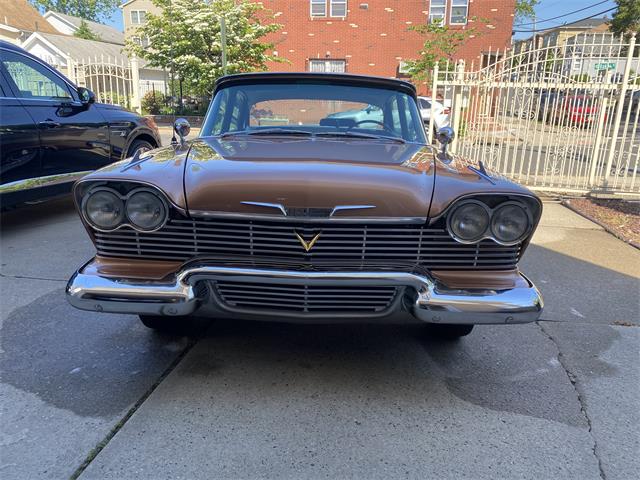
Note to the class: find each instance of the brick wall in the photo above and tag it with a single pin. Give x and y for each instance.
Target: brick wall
(374, 40)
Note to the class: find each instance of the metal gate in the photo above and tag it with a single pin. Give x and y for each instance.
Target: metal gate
(561, 117)
(113, 80)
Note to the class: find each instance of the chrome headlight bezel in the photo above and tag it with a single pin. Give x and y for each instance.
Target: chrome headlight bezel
(162, 201)
(125, 221)
(86, 215)
(488, 234)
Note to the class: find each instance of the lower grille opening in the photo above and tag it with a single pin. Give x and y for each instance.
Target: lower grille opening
(305, 299)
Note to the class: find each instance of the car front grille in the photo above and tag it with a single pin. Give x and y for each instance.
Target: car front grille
(262, 241)
(305, 299)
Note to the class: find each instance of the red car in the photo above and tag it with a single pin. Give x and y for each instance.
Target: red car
(579, 110)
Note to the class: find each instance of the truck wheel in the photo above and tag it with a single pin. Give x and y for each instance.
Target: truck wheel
(448, 331)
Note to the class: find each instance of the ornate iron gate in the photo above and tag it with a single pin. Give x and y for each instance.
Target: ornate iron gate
(561, 118)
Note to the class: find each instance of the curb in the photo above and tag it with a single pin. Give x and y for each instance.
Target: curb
(567, 203)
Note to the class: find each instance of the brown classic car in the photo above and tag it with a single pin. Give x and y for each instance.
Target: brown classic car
(285, 208)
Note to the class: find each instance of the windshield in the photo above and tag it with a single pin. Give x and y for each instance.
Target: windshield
(314, 109)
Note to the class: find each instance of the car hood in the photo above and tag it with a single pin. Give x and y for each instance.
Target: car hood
(239, 174)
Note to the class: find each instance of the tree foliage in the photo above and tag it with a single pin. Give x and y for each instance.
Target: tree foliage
(440, 45)
(186, 37)
(626, 20)
(525, 10)
(85, 32)
(95, 10)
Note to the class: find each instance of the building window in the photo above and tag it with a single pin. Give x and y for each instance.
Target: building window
(338, 8)
(318, 8)
(138, 17)
(459, 12)
(142, 41)
(327, 66)
(437, 11)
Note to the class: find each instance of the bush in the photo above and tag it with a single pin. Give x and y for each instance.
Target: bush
(152, 103)
(116, 99)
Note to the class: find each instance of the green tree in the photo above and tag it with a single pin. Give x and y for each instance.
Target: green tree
(89, 9)
(525, 10)
(626, 19)
(85, 32)
(186, 38)
(440, 46)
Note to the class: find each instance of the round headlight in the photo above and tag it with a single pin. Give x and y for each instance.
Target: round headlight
(469, 222)
(510, 223)
(146, 210)
(104, 209)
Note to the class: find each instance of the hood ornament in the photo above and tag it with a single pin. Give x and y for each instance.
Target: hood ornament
(307, 245)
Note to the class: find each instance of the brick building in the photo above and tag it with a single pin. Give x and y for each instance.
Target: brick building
(373, 37)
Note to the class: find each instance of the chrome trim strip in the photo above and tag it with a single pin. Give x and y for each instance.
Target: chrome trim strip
(37, 182)
(268, 205)
(432, 302)
(340, 208)
(254, 216)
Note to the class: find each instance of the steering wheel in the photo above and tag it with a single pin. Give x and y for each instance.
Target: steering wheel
(357, 124)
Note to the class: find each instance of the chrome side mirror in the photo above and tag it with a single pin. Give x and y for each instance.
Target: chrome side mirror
(182, 128)
(445, 136)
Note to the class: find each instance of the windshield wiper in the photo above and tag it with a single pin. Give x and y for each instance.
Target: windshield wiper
(361, 135)
(268, 131)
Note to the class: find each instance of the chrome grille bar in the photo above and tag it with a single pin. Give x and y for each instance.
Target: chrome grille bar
(364, 244)
(304, 298)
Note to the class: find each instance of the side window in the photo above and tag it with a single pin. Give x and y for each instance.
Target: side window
(33, 80)
(424, 103)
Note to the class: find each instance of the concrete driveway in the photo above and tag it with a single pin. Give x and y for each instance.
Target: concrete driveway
(99, 396)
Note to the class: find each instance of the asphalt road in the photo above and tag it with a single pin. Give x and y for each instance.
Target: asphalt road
(99, 396)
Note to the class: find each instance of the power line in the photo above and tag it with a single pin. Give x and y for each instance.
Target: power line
(574, 21)
(564, 14)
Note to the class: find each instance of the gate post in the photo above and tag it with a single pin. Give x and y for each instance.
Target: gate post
(618, 117)
(135, 87)
(434, 93)
(457, 103)
(596, 148)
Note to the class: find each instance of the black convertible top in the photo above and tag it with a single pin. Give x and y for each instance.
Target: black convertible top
(311, 77)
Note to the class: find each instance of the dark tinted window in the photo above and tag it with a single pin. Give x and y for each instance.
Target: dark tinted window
(34, 80)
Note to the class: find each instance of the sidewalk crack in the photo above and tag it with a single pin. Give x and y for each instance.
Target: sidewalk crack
(581, 400)
(95, 451)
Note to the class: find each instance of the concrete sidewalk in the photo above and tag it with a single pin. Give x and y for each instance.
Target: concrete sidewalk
(556, 399)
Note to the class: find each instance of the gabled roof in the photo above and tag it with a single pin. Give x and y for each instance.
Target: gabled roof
(79, 48)
(22, 15)
(105, 32)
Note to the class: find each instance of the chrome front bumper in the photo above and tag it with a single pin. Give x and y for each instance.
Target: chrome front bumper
(425, 299)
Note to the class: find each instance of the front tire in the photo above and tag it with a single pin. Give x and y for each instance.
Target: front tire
(140, 146)
(448, 332)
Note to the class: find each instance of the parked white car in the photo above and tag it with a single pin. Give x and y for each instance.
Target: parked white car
(441, 113)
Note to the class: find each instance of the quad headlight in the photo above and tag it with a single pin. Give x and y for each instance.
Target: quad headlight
(471, 221)
(510, 223)
(146, 210)
(104, 209)
(107, 209)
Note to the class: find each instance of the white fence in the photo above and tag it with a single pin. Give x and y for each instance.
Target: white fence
(560, 118)
(113, 80)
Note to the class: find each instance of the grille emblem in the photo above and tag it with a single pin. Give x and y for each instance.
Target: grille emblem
(307, 245)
